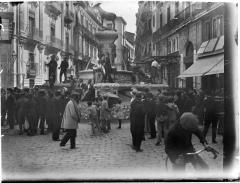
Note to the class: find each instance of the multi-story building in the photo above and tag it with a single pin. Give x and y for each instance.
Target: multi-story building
(87, 24)
(34, 31)
(119, 61)
(39, 30)
(143, 46)
(188, 43)
(130, 48)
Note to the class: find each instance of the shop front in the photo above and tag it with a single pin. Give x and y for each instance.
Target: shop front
(211, 71)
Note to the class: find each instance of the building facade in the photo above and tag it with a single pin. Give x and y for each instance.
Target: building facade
(143, 46)
(119, 61)
(34, 31)
(38, 30)
(130, 48)
(88, 22)
(185, 34)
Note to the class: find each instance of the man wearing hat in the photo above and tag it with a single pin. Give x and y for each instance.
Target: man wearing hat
(52, 65)
(137, 114)
(20, 109)
(64, 66)
(179, 142)
(56, 125)
(10, 104)
(71, 118)
(41, 108)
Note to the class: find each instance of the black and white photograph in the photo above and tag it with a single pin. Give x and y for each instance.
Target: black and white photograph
(119, 90)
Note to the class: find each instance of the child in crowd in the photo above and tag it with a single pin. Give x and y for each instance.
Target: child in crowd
(93, 117)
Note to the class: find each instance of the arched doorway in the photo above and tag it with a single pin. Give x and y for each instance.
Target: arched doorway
(188, 61)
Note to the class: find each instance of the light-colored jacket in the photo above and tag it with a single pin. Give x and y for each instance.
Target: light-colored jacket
(71, 116)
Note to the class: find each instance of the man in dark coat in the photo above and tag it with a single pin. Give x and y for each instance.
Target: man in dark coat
(10, 104)
(52, 65)
(210, 117)
(3, 107)
(150, 106)
(56, 123)
(137, 114)
(21, 111)
(31, 114)
(51, 114)
(41, 109)
(64, 66)
(188, 103)
(179, 142)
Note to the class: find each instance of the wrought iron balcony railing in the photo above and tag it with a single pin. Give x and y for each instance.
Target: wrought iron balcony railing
(53, 8)
(69, 17)
(54, 42)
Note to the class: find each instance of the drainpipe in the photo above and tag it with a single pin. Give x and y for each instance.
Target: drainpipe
(17, 45)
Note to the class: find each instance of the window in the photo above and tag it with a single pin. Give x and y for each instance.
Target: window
(82, 19)
(176, 8)
(5, 35)
(217, 26)
(176, 43)
(149, 25)
(31, 26)
(169, 47)
(31, 58)
(168, 14)
(153, 21)
(52, 31)
(206, 31)
(161, 22)
(86, 24)
(67, 41)
(109, 25)
(149, 48)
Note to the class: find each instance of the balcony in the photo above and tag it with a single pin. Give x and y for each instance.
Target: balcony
(183, 15)
(69, 49)
(54, 43)
(31, 35)
(35, 34)
(69, 17)
(32, 70)
(53, 8)
(89, 35)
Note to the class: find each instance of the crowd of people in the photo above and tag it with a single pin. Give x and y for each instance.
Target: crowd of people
(174, 113)
(166, 109)
(178, 115)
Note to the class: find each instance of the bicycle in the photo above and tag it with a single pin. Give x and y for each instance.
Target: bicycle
(186, 155)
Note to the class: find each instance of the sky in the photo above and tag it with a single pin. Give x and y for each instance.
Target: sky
(125, 9)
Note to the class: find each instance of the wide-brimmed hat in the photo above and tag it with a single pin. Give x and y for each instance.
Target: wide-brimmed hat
(74, 94)
(189, 121)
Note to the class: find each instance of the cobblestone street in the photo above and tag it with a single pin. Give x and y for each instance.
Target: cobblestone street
(104, 156)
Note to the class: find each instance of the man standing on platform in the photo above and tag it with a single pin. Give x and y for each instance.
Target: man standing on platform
(52, 65)
(64, 66)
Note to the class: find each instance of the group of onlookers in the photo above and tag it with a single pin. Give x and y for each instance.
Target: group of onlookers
(165, 109)
(59, 109)
(27, 107)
